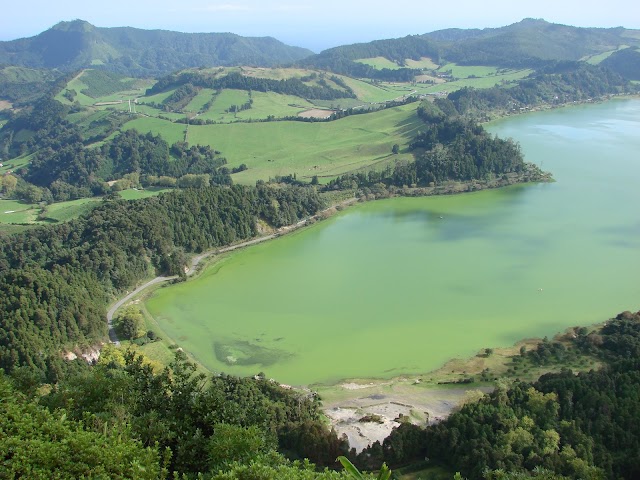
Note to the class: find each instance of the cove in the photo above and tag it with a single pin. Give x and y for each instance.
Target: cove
(402, 285)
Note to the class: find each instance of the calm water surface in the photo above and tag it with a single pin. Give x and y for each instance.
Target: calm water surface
(403, 285)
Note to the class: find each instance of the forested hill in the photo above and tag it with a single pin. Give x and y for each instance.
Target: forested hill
(528, 43)
(626, 62)
(75, 45)
(342, 59)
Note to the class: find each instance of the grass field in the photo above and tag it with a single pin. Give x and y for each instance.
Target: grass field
(379, 63)
(157, 98)
(480, 82)
(198, 102)
(14, 163)
(424, 62)
(596, 59)
(171, 132)
(135, 194)
(18, 212)
(65, 211)
(14, 211)
(306, 149)
(459, 71)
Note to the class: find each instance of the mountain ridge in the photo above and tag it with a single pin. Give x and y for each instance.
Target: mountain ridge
(77, 44)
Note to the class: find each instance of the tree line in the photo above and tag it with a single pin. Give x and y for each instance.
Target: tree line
(235, 80)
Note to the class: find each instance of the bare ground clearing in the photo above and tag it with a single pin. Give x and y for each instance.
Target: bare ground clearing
(316, 113)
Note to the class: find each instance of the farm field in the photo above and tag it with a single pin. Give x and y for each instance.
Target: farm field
(480, 82)
(14, 163)
(325, 149)
(14, 211)
(424, 63)
(379, 63)
(135, 194)
(596, 59)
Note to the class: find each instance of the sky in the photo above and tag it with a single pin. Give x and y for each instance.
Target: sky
(314, 24)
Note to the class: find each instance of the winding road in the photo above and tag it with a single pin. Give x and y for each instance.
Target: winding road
(113, 337)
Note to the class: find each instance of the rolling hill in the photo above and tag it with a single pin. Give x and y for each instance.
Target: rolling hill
(77, 44)
(526, 44)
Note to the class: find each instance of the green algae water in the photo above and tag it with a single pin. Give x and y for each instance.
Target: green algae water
(403, 285)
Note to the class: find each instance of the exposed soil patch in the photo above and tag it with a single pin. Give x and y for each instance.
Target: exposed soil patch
(316, 113)
(4, 105)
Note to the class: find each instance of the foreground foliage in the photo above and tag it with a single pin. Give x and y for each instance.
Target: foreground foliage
(38, 444)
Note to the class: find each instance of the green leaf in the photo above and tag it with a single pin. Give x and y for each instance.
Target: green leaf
(348, 466)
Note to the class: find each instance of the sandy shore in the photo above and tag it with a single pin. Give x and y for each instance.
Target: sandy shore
(346, 404)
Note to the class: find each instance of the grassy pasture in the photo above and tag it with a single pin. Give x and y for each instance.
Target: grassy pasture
(481, 82)
(14, 163)
(459, 71)
(65, 211)
(14, 211)
(278, 105)
(424, 62)
(379, 63)
(307, 149)
(157, 98)
(135, 194)
(596, 59)
(369, 92)
(223, 101)
(171, 132)
(198, 102)
(22, 212)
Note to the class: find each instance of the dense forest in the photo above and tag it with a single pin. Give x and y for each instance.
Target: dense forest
(57, 281)
(625, 62)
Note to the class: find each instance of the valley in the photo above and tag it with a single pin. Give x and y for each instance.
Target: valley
(357, 239)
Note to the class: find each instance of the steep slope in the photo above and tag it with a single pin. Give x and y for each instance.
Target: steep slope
(78, 44)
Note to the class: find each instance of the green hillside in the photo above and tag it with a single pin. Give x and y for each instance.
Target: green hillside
(526, 44)
(74, 45)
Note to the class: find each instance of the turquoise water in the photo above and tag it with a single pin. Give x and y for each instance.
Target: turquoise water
(403, 285)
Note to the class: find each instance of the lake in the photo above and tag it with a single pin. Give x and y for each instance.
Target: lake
(402, 285)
